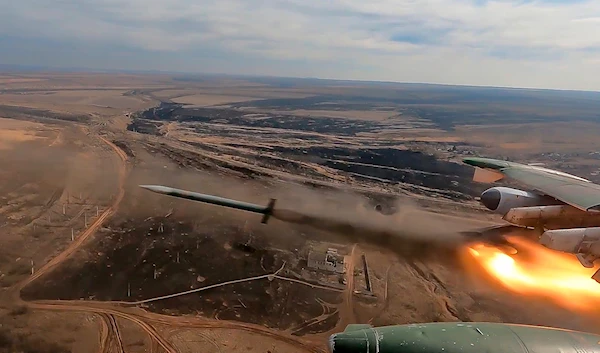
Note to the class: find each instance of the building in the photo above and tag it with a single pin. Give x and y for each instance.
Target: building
(327, 261)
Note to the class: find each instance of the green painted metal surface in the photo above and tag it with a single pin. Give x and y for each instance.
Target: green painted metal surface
(463, 337)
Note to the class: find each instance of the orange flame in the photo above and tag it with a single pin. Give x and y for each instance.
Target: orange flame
(543, 272)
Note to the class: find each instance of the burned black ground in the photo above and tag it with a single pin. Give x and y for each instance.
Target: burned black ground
(449, 106)
(144, 259)
(323, 125)
(125, 147)
(41, 115)
(392, 164)
(379, 163)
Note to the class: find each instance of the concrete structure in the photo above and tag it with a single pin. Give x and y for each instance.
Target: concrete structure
(327, 261)
(367, 277)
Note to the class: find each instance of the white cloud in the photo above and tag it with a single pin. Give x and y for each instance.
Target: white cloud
(502, 42)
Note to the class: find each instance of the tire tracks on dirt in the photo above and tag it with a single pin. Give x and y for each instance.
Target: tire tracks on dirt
(143, 319)
(104, 334)
(386, 296)
(88, 308)
(108, 312)
(116, 332)
(109, 326)
(347, 315)
(438, 291)
(74, 246)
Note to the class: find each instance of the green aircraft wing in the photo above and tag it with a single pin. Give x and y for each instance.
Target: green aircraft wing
(570, 189)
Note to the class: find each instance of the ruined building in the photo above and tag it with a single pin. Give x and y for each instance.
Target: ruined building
(326, 261)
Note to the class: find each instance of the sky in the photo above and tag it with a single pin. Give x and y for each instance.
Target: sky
(514, 43)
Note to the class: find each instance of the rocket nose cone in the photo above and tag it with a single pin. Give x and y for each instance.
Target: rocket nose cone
(491, 199)
(156, 188)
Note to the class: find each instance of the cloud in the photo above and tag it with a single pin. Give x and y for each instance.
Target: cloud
(503, 42)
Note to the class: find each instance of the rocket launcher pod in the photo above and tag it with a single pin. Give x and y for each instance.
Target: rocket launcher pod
(461, 337)
(266, 211)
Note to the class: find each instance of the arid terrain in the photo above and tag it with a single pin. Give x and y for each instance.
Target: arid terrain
(90, 262)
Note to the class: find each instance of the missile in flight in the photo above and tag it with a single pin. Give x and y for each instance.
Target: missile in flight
(266, 211)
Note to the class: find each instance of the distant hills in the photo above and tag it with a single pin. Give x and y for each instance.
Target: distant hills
(286, 82)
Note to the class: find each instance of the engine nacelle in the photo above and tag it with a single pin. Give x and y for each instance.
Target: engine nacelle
(501, 199)
(574, 240)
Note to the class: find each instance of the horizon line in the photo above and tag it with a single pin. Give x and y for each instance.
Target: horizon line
(11, 68)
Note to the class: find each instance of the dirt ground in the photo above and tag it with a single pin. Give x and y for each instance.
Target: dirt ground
(103, 251)
(47, 193)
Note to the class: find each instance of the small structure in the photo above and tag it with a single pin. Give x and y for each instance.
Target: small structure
(366, 269)
(328, 261)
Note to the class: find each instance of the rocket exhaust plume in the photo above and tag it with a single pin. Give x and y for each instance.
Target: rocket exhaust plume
(405, 236)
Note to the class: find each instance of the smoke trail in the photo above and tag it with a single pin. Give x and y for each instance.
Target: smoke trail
(409, 236)
(410, 231)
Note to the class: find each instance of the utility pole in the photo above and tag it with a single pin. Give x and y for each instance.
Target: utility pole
(72, 234)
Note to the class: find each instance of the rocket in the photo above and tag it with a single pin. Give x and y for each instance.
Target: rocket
(266, 211)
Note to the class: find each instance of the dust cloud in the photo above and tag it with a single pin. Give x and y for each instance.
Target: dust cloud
(330, 215)
(28, 162)
(31, 158)
(339, 216)
(411, 231)
(40, 159)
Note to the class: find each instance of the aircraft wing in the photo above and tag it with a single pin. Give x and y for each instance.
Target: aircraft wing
(570, 189)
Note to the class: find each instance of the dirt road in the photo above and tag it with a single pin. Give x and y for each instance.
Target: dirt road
(347, 311)
(106, 313)
(110, 336)
(104, 334)
(109, 325)
(91, 229)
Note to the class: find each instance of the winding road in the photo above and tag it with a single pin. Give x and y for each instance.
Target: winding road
(109, 335)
